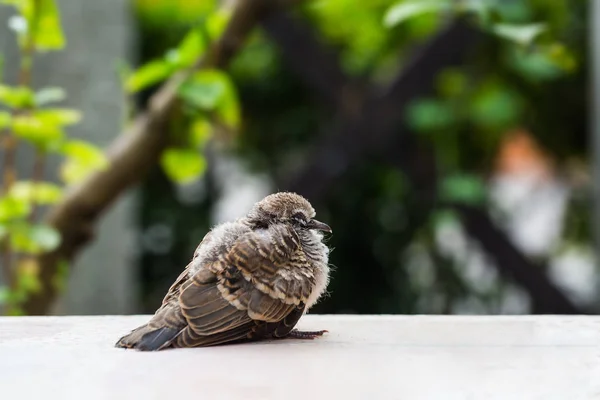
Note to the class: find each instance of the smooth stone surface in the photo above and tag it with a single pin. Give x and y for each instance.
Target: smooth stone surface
(363, 357)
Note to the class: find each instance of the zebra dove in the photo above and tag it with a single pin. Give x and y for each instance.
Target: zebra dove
(248, 280)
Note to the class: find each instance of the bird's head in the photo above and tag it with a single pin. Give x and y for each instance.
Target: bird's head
(285, 207)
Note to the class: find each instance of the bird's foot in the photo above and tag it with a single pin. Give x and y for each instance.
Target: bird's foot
(296, 334)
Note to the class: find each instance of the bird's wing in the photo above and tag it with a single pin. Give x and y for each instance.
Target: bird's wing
(274, 262)
(257, 288)
(175, 288)
(167, 322)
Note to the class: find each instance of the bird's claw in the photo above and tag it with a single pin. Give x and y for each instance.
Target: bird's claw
(296, 334)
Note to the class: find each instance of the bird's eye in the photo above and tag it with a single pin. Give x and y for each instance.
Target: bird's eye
(299, 218)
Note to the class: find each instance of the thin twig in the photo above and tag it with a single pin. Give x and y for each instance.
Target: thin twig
(39, 165)
(7, 179)
(9, 173)
(9, 176)
(25, 80)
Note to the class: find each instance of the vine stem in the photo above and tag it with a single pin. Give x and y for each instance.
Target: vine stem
(8, 178)
(11, 144)
(39, 165)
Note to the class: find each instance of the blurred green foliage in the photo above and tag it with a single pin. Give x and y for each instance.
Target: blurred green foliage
(209, 96)
(209, 99)
(29, 119)
(529, 72)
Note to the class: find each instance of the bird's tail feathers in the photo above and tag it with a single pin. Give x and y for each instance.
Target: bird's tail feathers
(147, 338)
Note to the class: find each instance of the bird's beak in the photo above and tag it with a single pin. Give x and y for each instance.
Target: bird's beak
(314, 224)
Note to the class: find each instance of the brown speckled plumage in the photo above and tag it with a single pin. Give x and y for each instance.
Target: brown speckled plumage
(248, 280)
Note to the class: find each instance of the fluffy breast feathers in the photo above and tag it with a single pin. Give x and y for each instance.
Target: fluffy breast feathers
(277, 261)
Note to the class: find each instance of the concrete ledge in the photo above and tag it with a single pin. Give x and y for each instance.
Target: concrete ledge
(363, 357)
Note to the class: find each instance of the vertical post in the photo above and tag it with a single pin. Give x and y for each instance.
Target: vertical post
(99, 36)
(594, 26)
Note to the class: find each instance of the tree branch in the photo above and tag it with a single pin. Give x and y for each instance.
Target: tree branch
(131, 157)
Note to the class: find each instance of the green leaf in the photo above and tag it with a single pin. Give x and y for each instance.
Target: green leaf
(403, 11)
(38, 192)
(200, 132)
(496, 107)
(13, 209)
(45, 237)
(228, 110)
(17, 3)
(482, 9)
(82, 159)
(44, 127)
(16, 97)
(517, 11)
(216, 23)
(190, 49)
(21, 241)
(148, 74)
(173, 58)
(40, 19)
(423, 26)
(4, 295)
(28, 272)
(33, 239)
(10, 299)
(59, 279)
(451, 82)
(212, 90)
(35, 130)
(73, 172)
(49, 95)
(429, 115)
(183, 165)
(521, 34)
(5, 119)
(58, 116)
(561, 56)
(534, 66)
(83, 151)
(543, 62)
(463, 188)
(3, 231)
(161, 13)
(203, 91)
(48, 32)
(443, 217)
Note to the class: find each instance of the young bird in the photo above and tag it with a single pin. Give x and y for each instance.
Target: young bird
(249, 279)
